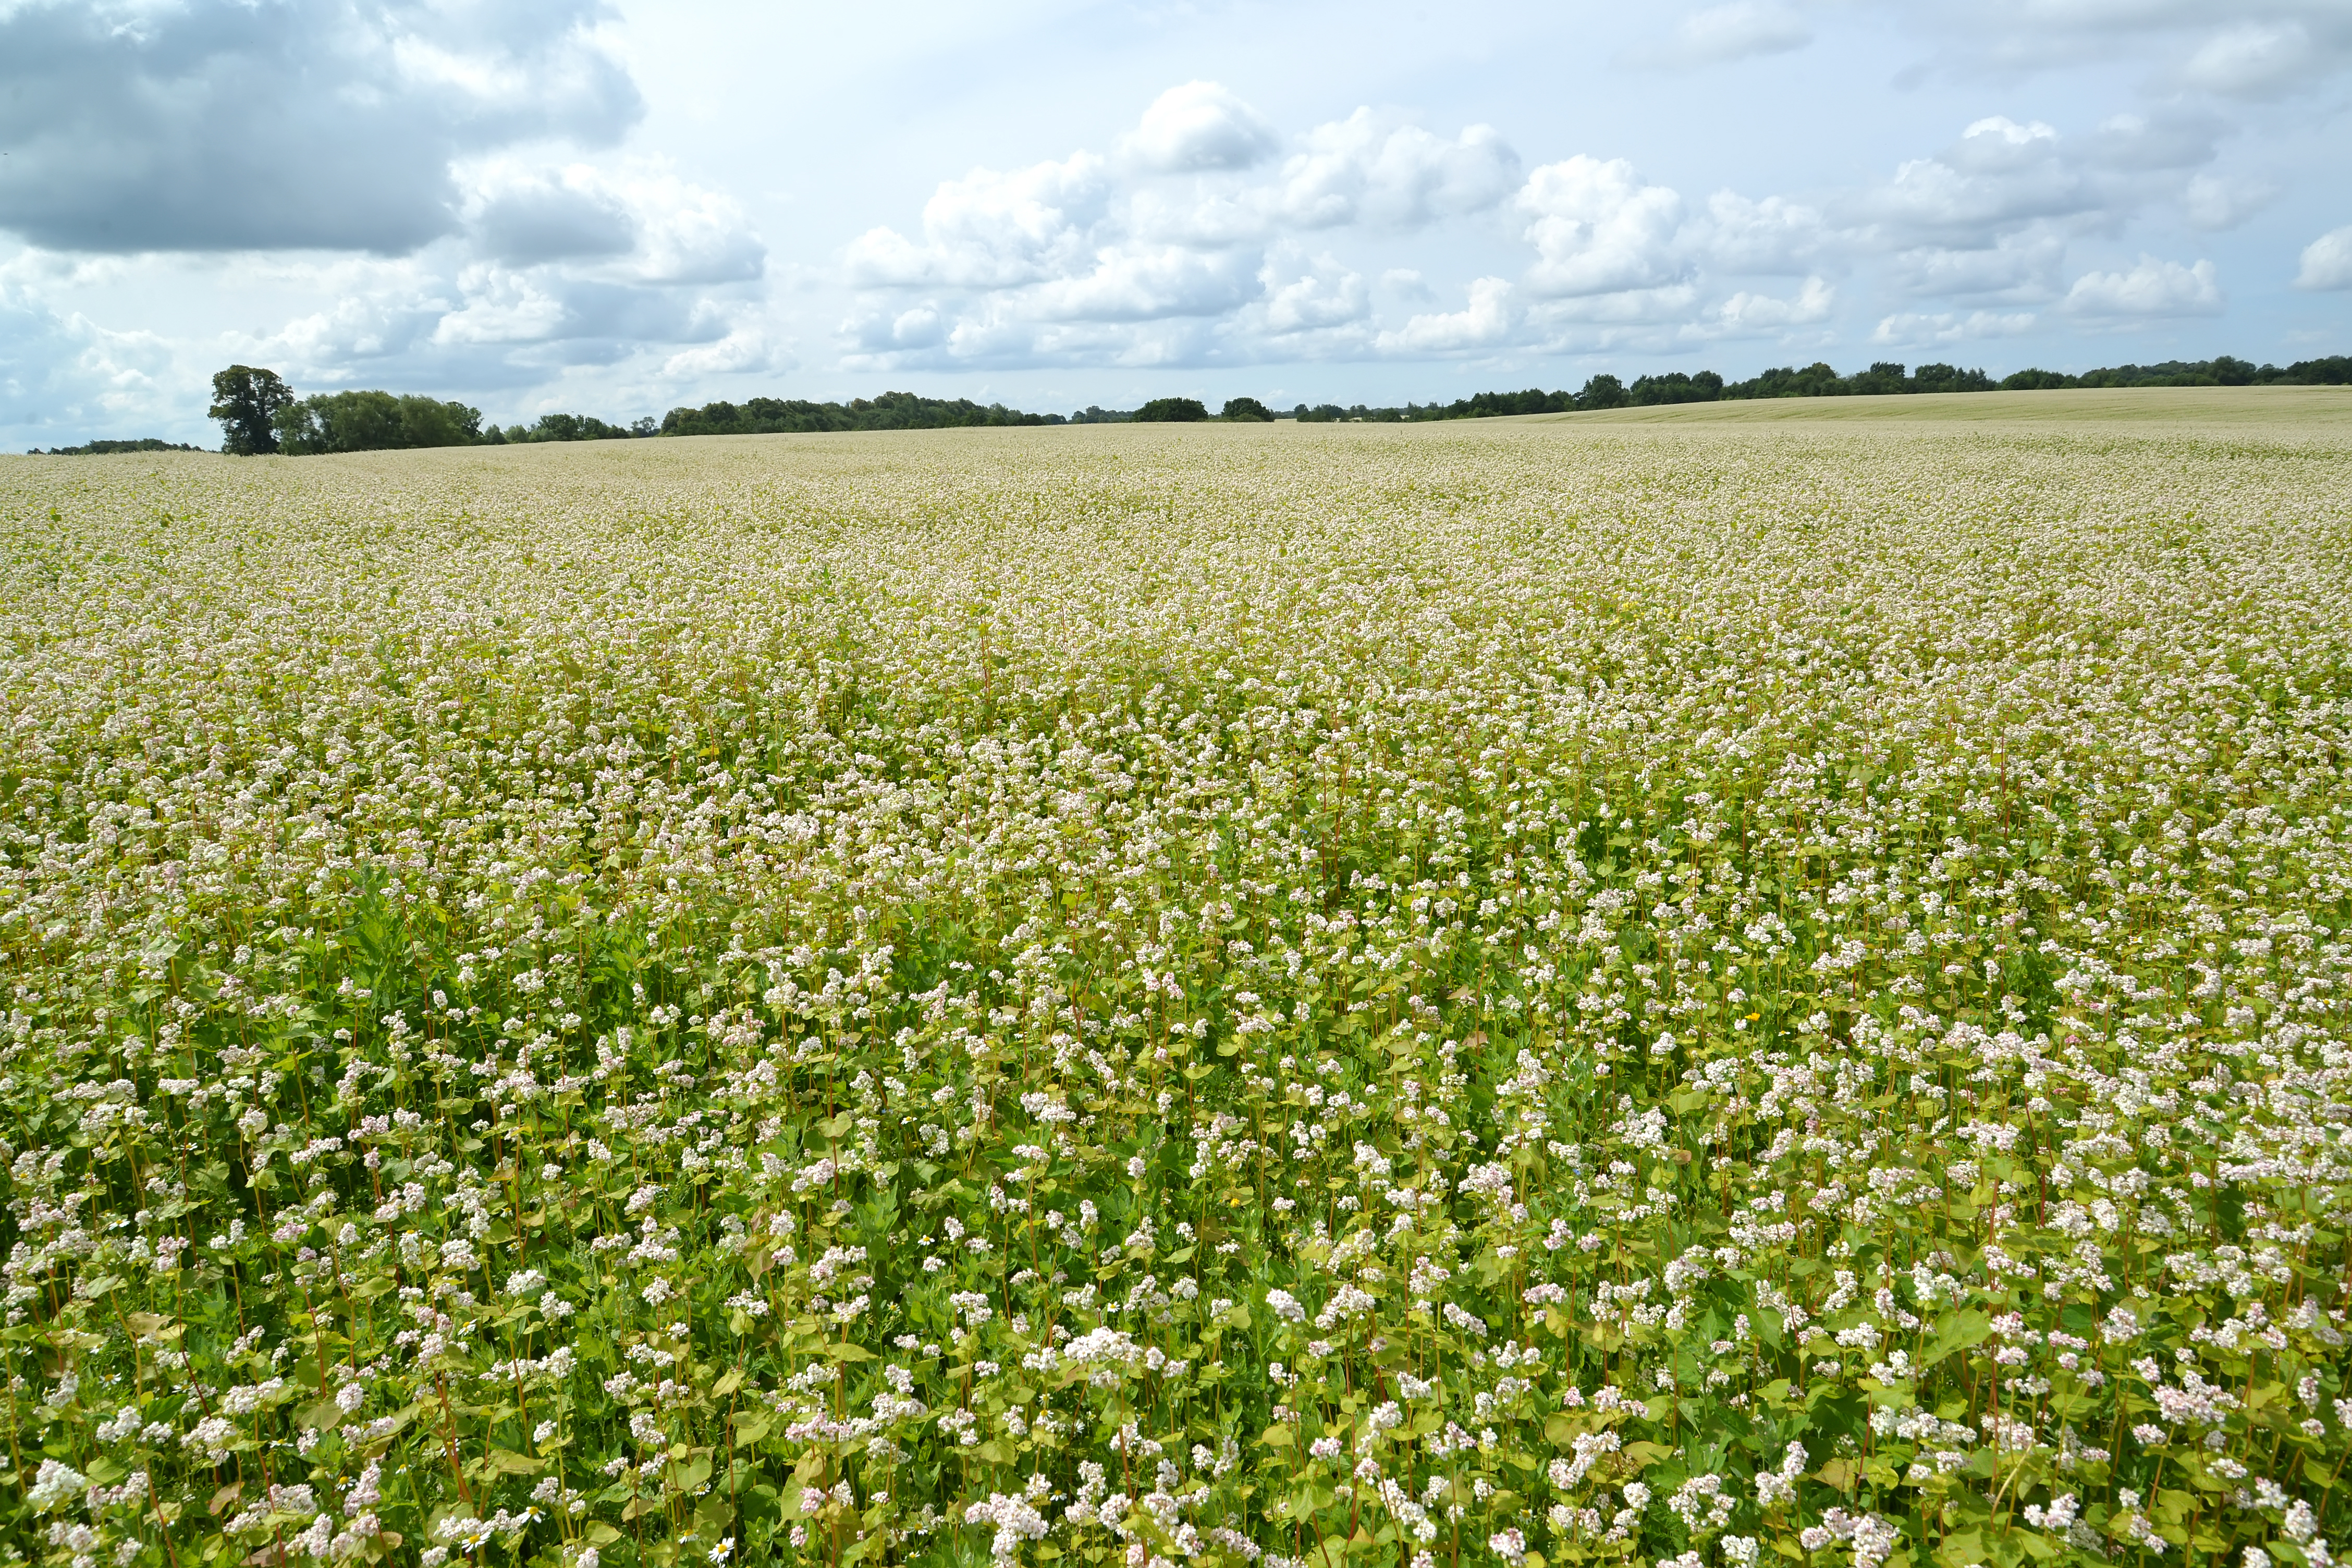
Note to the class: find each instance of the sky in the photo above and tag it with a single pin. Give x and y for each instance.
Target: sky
(616, 209)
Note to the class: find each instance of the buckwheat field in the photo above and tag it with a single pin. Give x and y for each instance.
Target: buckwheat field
(1505, 995)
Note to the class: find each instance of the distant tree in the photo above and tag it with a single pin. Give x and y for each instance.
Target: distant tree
(1171, 411)
(1674, 386)
(245, 400)
(891, 411)
(1885, 376)
(103, 448)
(1491, 404)
(2334, 371)
(1949, 378)
(368, 421)
(1245, 409)
(2036, 381)
(574, 427)
(1603, 391)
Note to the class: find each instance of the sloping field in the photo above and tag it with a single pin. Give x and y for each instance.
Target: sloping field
(1673, 993)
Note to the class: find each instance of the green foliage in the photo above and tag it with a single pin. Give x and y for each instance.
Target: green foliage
(1171, 411)
(248, 401)
(2223, 371)
(100, 449)
(1247, 410)
(1602, 391)
(1823, 379)
(1674, 386)
(568, 427)
(358, 421)
(1883, 379)
(891, 411)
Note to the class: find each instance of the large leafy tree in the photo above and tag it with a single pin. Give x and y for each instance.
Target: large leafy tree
(1171, 410)
(367, 421)
(246, 401)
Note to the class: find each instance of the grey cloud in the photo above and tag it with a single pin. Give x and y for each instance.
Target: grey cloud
(217, 125)
(1743, 29)
(64, 380)
(2257, 60)
(2139, 142)
(2253, 50)
(546, 222)
(1998, 177)
(2022, 267)
(597, 311)
(2213, 202)
(670, 231)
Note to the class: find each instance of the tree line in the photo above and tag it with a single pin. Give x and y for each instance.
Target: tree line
(1820, 380)
(258, 412)
(1178, 411)
(107, 449)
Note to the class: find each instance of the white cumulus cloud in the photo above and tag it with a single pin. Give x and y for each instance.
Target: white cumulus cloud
(2153, 287)
(746, 349)
(2327, 261)
(1486, 323)
(1999, 175)
(64, 379)
(1372, 169)
(1774, 235)
(1915, 328)
(992, 230)
(1199, 126)
(1747, 314)
(1323, 296)
(1145, 282)
(1599, 228)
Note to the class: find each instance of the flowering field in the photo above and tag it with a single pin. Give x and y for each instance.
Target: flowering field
(1498, 995)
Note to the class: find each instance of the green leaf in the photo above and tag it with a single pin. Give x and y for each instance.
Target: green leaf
(1961, 1330)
